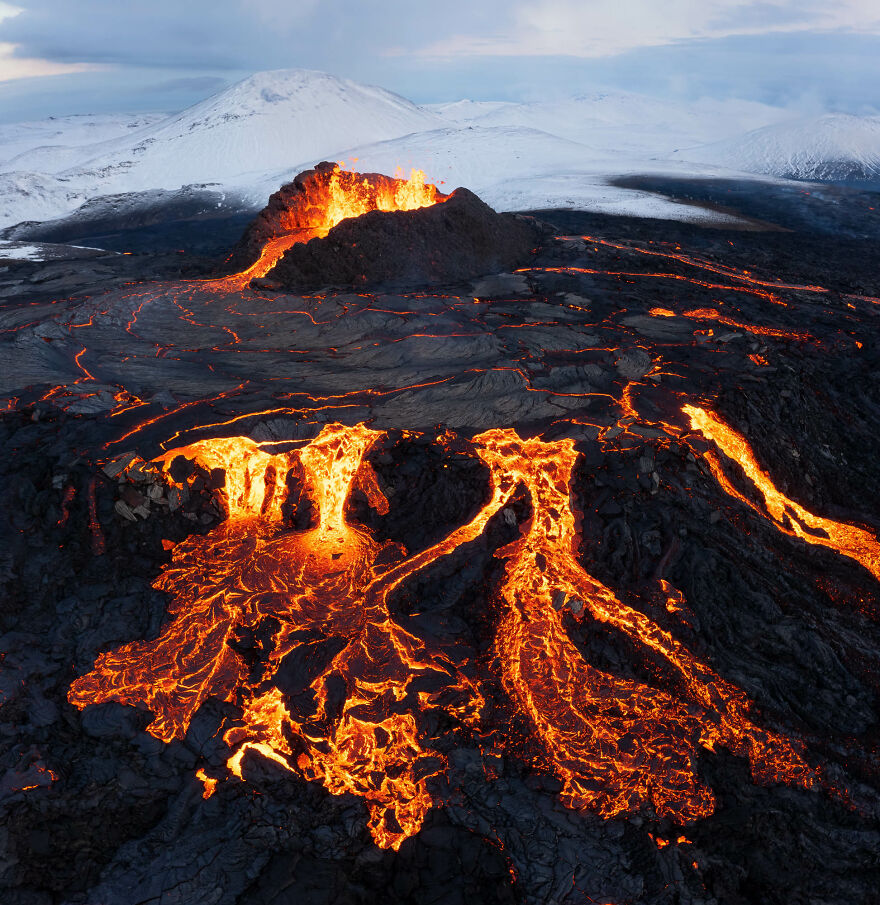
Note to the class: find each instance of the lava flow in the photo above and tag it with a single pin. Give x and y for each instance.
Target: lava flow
(615, 743)
(324, 584)
(788, 516)
(294, 627)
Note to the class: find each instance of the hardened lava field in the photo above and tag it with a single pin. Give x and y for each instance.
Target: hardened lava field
(560, 585)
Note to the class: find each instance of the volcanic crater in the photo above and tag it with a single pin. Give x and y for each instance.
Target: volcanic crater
(334, 227)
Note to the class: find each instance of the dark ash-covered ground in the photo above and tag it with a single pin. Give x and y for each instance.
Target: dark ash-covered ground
(96, 810)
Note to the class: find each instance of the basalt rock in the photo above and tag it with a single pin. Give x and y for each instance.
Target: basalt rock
(458, 239)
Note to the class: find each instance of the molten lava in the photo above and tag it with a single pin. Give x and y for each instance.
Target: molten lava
(616, 744)
(790, 517)
(352, 195)
(338, 690)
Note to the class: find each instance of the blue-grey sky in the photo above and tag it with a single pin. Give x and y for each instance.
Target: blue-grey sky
(75, 56)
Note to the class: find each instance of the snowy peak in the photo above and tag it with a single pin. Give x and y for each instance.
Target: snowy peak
(297, 92)
(267, 121)
(836, 147)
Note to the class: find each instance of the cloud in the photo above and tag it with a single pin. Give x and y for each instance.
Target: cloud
(281, 13)
(602, 28)
(13, 65)
(510, 49)
(255, 34)
(200, 83)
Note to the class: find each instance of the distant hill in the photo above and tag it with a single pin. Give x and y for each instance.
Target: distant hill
(222, 157)
(619, 121)
(835, 147)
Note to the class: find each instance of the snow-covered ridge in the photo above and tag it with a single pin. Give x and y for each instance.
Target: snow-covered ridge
(835, 147)
(621, 121)
(23, 139)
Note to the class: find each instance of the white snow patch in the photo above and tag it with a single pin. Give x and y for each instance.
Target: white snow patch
(45, 251)
(18, 251)
(594, 193)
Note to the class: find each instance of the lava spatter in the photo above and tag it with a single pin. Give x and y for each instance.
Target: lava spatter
(333, 195)
(356, 721)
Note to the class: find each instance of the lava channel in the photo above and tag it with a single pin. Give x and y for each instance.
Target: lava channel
(789, 517)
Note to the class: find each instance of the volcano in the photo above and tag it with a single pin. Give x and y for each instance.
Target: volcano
(556, 582)
(339, 228)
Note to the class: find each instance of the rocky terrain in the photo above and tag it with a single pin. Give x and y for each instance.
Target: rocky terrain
(615, 327)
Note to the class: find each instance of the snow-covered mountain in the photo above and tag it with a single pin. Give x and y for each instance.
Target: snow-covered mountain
(268, 121)
(834, 147)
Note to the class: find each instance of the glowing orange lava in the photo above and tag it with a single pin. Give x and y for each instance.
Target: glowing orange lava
(351, 195)
(789, 516)
(357, 725)
(712, 314)
(615, 743)
(344, 194)
(208, 782)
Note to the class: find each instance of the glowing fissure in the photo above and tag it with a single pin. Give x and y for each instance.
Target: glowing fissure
(742, 276)
(712, 314)
(617, 744)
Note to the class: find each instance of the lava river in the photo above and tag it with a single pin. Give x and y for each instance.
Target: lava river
(340, 691)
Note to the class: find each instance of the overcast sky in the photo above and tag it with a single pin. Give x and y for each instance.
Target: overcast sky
(76, 56)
